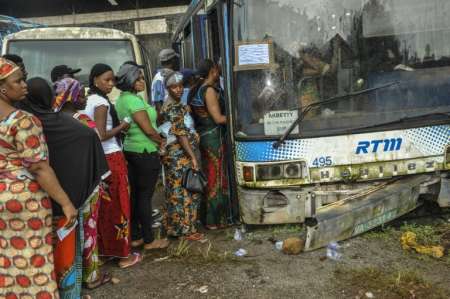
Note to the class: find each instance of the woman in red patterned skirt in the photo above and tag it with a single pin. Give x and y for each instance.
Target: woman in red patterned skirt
(114, 215)
(26, 183)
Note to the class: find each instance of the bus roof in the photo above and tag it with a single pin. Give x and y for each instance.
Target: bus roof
(70, 33)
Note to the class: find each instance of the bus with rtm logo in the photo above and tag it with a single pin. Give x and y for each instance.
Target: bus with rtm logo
(339, 111)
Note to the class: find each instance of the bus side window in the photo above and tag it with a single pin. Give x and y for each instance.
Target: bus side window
(213, 34)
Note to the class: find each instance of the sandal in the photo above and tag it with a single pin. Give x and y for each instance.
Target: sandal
(137, 243)
(195, 237)
(157, 244)
(211, 227)
(137, 258)
(105, 278)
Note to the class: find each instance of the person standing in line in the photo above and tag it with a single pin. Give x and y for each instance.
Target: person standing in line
(87, 160)
(27, 182)
(189, 81)
(141, 145)
(17, 60)
(62, 71)
(208, 109)
(70, 99)
(170, 61)
(114, 215)
(182, 205)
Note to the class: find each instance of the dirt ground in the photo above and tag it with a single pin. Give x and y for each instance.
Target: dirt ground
(374, 265)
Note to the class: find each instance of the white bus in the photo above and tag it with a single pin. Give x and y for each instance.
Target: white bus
(339, 111)
(77, 47)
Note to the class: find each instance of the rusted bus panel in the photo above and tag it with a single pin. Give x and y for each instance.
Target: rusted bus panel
(254, 209)
(358, 214)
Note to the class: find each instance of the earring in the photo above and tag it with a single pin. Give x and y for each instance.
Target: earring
(3, 90)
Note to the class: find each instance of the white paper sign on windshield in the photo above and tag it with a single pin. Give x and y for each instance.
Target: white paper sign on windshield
(277, 122)
(252, 54)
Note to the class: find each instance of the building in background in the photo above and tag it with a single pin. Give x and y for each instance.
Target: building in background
(152, 21)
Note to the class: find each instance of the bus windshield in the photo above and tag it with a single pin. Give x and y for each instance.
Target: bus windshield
(327, 48)
(40, 56)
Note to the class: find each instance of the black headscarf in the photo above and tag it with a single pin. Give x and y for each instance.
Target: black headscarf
(75, 151)
(98, 70)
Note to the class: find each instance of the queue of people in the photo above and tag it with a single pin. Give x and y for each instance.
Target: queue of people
(78, 173)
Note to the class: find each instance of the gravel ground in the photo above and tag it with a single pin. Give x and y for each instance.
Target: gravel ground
(210, 270)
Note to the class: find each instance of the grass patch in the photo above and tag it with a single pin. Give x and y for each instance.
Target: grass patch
(196, 253)
(403, 283)
(385, 233)
(279, 232)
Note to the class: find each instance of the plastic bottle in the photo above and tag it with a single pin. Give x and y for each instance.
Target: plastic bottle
(238, 235)
(334, 251)
(279, 245)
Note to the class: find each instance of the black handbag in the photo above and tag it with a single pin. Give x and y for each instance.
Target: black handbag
(194, 181)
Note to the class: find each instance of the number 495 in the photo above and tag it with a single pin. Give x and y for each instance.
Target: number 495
(323, 161)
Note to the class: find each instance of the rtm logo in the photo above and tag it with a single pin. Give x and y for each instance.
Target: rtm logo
(388, 145)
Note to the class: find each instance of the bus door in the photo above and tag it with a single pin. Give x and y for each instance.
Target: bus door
(216, 31)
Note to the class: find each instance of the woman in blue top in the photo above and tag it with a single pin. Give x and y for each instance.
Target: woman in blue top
(208, 107)
(141, 147)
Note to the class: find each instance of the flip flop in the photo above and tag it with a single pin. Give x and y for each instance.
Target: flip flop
(137, 243)
(137, 259)
(195, 237)
(101, 281)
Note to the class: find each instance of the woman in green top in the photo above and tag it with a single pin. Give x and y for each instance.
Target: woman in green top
(141, 146)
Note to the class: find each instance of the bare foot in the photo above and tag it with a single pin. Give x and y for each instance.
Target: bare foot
(157, 244)
(137, 243)
(131, 260)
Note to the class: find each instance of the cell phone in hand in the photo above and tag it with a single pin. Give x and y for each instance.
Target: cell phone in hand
(63, 232)
(127, 119)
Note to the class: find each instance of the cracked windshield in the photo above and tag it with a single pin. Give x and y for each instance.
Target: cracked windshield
(384, 60)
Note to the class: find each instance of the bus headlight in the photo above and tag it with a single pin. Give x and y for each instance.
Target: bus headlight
(271, 172)
(293, 170)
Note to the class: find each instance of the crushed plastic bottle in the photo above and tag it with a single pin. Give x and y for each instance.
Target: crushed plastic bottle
(279, 245)
(334, 251)
(238, 235)
(241, 252)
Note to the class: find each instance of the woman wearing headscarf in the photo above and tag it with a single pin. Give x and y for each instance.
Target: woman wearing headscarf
(70, 99)
(182, 205)
(208, 107)
(141, 146)
(80, 177)
(114, 215)
(26, 183)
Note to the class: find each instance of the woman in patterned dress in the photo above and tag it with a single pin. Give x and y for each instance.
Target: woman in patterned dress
(70, 99)
(77, 157)
(26, 183)
(182, 205)
(208, 108)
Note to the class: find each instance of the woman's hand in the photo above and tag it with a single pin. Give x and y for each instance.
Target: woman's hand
(124, 126)
(195, 164)
(163, 144)
(71, 214)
